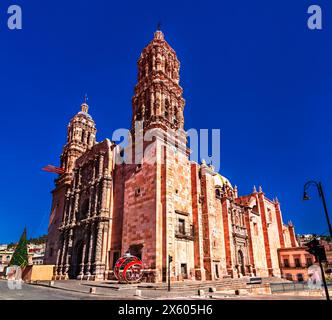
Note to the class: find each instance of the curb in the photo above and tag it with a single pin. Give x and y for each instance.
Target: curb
(71, 290)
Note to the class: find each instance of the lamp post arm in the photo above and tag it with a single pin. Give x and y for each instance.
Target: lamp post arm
(310, 183)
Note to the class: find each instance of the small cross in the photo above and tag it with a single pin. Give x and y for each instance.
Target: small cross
(86, 98)
(159, 25)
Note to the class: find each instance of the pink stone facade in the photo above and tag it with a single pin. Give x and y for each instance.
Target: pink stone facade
(163, 204)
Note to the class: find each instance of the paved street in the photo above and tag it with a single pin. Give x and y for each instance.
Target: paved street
(31, 292)
(34, 292)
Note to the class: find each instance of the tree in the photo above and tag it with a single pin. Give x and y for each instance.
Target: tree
(20, 255)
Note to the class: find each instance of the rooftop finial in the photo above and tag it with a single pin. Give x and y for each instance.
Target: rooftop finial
(158, 35)
(84, 106)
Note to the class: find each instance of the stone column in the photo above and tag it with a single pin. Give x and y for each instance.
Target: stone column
(83, 253)
(59, 256)
(152, 112)
(65, 210)
(69, 209)
(262, 211)
(63, 254)
(106, 186)
(69, 252)
(96, 196)
(280, 224)
(91, 195)
(76, 206)
(101, 166)
(90, 250)
(99, 270)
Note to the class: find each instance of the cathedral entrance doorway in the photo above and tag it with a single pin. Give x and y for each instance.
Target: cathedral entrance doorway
(241, 262)
(184, 271)
(136, 250)
(77, 260)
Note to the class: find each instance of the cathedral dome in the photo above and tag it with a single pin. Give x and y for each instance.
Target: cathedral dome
(82, 113)
(220, 181)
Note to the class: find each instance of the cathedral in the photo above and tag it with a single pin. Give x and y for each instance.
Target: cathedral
(172, 206)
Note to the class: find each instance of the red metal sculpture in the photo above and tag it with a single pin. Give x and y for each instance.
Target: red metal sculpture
(128, 269)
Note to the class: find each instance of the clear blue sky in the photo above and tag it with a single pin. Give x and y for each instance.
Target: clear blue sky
(251, 68)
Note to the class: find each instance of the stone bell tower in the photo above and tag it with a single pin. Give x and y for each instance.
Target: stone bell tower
(81, 136)
(158, 97)
(151, 216)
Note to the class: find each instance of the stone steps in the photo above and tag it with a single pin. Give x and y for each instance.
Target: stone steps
(223, 284)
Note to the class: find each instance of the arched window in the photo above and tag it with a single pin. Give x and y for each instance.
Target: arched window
(218, 194)
(84, 209)
(8, 258)
(166, 108)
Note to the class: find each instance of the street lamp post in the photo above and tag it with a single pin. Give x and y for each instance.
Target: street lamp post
(322, 196)
(318, 251)
(170, 259)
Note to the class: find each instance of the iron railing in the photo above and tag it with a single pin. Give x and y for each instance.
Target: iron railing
(185, 232)
(292, 286)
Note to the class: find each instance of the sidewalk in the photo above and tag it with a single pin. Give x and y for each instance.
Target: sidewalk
(114, 290)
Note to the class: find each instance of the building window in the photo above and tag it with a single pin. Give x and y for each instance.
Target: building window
(184, 272)
(217, 270)
(286, 263)
(182, 226)
(289, 277)
(300, 277)
(218, 195)
(138, 192)
(297, 262)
